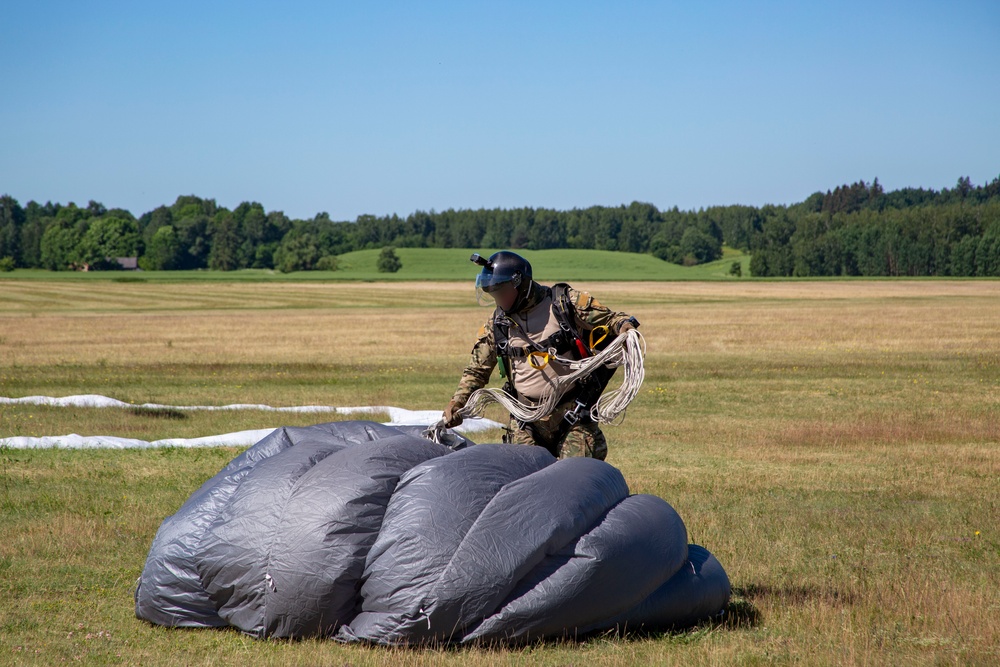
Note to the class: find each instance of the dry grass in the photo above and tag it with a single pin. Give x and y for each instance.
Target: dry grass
(835, 444)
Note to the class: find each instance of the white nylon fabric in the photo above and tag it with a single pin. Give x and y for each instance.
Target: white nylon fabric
(397, 417)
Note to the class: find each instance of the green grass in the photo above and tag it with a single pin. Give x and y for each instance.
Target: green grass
(439, 264)
(835, 445)
(548, 265)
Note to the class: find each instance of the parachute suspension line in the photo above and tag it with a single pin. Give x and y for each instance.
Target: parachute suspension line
(612, 404)
(627, 350)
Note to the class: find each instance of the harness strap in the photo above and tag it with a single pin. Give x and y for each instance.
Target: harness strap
(566, 341)
(588, 390)
(560, 342)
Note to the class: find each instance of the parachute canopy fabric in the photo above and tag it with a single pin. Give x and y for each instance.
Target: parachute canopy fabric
(365, 532)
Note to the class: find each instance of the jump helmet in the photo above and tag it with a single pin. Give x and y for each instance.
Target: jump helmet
(501, 268)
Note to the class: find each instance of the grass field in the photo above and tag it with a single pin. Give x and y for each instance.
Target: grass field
(835, 444)
(435, 264)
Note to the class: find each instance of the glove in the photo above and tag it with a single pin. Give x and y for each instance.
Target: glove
(451, 416)
(625, 326)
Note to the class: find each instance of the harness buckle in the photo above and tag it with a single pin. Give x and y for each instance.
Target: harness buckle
(573, 416)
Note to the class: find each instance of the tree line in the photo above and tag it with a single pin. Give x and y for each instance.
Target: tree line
(857, 229)
(860, 230)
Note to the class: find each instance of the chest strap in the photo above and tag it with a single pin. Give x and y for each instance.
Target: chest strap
(559, 343)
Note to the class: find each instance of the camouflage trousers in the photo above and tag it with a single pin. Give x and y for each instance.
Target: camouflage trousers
(584, 438)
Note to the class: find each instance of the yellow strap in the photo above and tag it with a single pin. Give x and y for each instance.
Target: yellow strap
(539, 360)
(595, 343)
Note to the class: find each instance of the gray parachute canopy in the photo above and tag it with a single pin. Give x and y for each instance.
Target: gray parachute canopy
(366, 532)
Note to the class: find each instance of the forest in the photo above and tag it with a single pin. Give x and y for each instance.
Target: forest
(852, 230)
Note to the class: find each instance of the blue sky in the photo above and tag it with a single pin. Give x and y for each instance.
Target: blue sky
(392, 107)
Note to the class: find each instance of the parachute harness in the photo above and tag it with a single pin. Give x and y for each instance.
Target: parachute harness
(627, 351)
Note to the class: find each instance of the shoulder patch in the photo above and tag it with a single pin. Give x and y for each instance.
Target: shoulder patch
(584, 300)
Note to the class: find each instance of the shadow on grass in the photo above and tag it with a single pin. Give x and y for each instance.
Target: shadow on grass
(791, 595)
(740, 614)
(157, 413)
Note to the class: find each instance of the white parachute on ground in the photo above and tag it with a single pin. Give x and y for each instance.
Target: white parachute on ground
(367, 532)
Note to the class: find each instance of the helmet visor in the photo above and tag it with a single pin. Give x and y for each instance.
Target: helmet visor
(491, 287)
